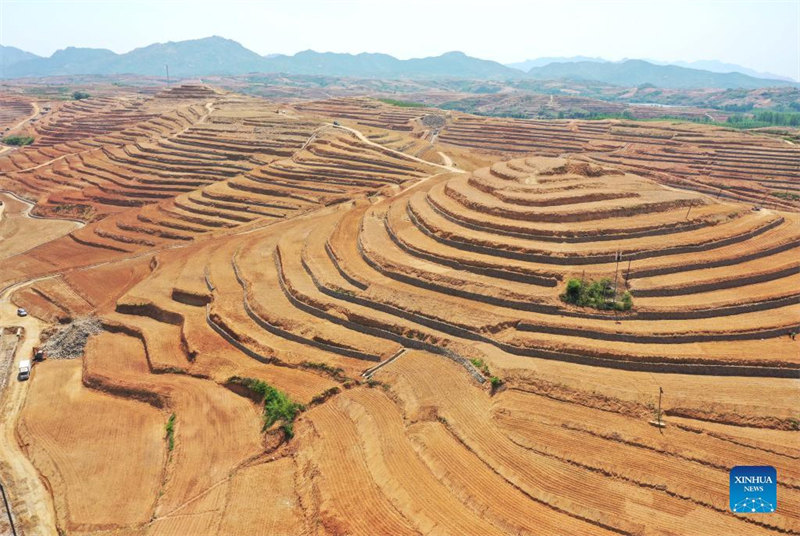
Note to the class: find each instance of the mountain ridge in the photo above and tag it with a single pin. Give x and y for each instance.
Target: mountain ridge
(220, 56)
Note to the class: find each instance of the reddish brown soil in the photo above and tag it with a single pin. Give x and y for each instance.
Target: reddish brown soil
(363, 273)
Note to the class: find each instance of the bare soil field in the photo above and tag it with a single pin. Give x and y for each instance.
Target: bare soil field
(722, 162)
(342, 317)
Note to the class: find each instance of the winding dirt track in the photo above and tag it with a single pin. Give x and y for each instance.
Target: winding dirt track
(21, 231)
(30, 499)
(20, 124)
(448, 165)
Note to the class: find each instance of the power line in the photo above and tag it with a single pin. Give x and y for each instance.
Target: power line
(8, 510)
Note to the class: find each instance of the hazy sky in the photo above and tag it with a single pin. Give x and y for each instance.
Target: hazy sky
(763, 34)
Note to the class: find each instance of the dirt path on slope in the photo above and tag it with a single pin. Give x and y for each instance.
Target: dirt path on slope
(35, 106)
(448, 162)
(447, 166)
(30, 499)
(19, 125)
(21, 231)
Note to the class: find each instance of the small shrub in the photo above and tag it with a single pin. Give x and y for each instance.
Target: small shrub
(481, 365)
(598, 294)
(19, 141)
(625, 303)
(80, 95)
(495, 382)
(288, 430)
(574, 290)
(278, 407)
(170, 429)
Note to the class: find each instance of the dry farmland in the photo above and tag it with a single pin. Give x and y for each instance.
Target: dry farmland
(398, 273)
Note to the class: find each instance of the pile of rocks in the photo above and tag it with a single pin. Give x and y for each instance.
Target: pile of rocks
(433, 120)
(68, 342)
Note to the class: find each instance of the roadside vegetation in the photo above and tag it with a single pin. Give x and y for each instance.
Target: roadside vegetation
(597, 294)
(18, 140)
(278, 407)
(80, 95)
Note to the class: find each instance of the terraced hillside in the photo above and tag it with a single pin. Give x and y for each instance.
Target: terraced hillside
(414, 309)
(723, 162)
(13, 110)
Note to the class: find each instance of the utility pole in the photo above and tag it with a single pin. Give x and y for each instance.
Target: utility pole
(8, 511)
(688, 211)
(658, 423)
(660, 392)
(167, 67)
(628, 272)
(616, 271)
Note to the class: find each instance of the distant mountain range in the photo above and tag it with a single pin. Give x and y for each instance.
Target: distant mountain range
(12, 55)
(721, 67)
(527, 65)
(706, 65)
(219, 56)
(640, 72)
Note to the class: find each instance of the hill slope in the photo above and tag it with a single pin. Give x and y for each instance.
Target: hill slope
(70, 60)
(11, 55)
(638, 72)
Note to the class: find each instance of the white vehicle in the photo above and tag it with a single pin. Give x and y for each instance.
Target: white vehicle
(24, 370)
(22, 312)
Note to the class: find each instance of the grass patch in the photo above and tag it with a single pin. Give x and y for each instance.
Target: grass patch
(278, 407)
(170, 429)
(19, 141)
(403, 103)
(789, 196)
(598, 294)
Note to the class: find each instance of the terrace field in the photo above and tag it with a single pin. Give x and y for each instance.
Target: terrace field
(399, 273)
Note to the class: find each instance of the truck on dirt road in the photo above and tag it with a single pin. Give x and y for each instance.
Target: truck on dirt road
(24, 370)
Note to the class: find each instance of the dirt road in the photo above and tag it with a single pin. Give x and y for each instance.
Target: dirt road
(20, 124)
(360, 136)
(27, 119)
(446, 159)
(21, 231)
(30, 500)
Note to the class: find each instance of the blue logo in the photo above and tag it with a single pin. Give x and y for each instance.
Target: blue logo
(754, 489)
